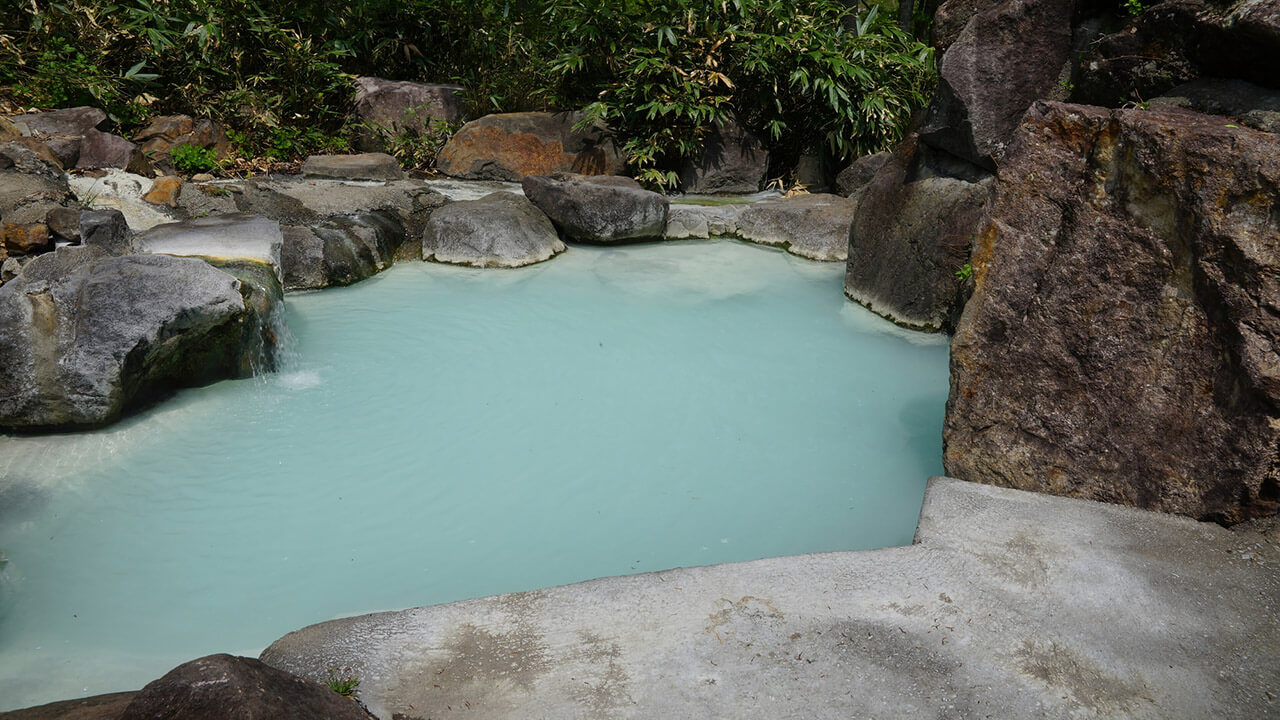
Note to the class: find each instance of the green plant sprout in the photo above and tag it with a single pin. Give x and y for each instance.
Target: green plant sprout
(191, 159)
(342, 682)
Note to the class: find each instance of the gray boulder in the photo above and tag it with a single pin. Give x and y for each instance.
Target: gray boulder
(685, 221)
(406, 203)
(732, 161)
(29, 186)
(510, 146)
(852, 179)
(339, 251)
(107, 230)
(1007, 56)
(365, 166)
(1179, 41)
(910, 237)
(598, 209)
(1123, 338)
(814, 226)
(498, 230)
(393, 108)
(223, 687)
(90, 336)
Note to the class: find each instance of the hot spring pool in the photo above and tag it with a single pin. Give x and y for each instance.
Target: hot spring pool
(444, 433)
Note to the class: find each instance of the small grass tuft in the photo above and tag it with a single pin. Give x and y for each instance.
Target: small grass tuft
(342, 681)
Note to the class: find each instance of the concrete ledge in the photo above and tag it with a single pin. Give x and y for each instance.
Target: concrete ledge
(1010, 605)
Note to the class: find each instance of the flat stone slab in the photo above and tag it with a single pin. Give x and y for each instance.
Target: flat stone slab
(815, 226)
(218, 237)
(364, 166)
(1009, 605)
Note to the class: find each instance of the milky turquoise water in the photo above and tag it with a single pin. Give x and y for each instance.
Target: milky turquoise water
(445, 433)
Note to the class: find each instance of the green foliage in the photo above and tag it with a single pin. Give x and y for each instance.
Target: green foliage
(413, 150)
(342, 682)
(1136, 7)
(965, 272)
(191, 159)
(806, 74)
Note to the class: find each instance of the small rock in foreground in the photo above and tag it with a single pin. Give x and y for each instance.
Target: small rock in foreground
(224, 687)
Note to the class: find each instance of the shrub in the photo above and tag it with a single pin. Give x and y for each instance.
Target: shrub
(808, 74)
(191, 159)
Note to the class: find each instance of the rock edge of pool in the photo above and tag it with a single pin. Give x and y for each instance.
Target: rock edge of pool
(1009, 604)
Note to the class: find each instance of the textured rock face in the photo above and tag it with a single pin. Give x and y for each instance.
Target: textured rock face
(87, 335)
(106, 229)
(61, 130)
(909, 237)
(403, 108)
(365, 166)
(1246, 103)
(30, 186)
(1177, 41)
(702, 221)
(512, 145)
(733, 161)
(1007, 56)
(815, 226)
(339, 251)
(498, 230)
(852, 179)
(104, 150)
(223, 687)
(1121, 341)
(599, 209)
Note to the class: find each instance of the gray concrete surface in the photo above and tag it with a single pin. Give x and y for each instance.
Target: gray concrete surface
(1009, 605)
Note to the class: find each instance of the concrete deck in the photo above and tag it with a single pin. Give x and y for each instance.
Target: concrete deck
(1010, 605)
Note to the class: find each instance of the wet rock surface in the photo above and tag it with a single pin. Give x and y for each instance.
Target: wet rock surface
(814, 226)
(1121, 341)
(498, 230)
(89, 336)
(910, 237)
(598, 209)
(224, 687)
(510, 146)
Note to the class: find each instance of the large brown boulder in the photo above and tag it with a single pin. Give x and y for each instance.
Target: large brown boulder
(62, 130)
(510, 146)
(1121, 341)
(224, 687)
(909, 238)
(1007, 56)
